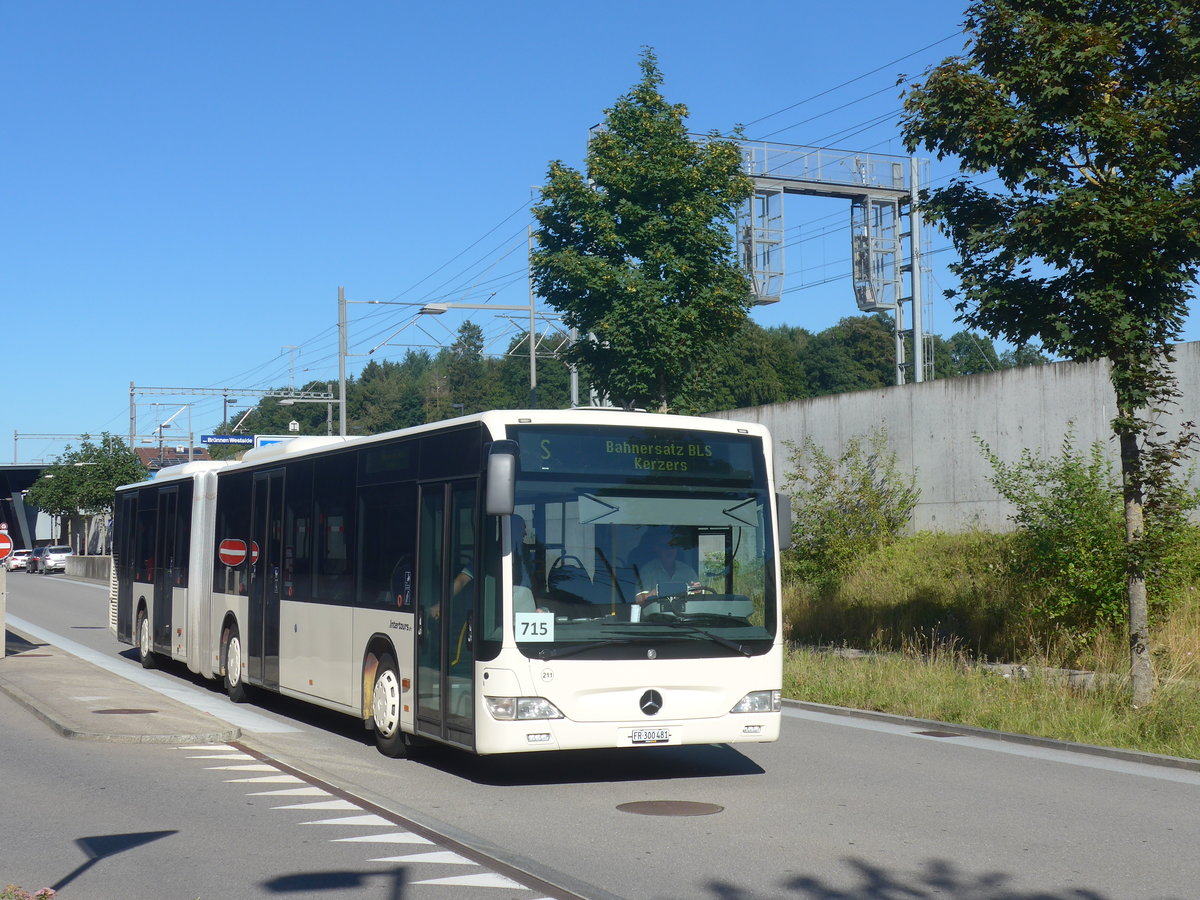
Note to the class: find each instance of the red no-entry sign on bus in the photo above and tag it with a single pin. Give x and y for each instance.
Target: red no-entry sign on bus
(232, 551)
(5, 545)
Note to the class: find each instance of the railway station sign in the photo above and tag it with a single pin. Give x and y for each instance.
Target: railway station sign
(228, 440)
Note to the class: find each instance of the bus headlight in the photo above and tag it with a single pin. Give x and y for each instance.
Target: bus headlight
(760, 701)
(522, 708)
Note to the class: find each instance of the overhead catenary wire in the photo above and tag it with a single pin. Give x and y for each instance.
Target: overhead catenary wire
(857, 78)
(474, 279)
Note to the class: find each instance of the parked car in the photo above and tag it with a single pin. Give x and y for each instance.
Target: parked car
(35, 559)
(18, 559)
(55, 559)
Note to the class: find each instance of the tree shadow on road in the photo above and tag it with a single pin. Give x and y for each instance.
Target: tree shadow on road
(938, 880)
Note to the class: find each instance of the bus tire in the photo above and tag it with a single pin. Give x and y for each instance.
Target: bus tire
(149, 660)
(385, 709)
(235, 684)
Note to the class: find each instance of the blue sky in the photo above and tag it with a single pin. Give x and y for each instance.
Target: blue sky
(186, 184)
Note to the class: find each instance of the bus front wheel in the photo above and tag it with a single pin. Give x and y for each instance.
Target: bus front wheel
(235, 685)
(385, 709)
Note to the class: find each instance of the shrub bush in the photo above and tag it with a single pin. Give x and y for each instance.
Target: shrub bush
(1071, 549)
(845, 508)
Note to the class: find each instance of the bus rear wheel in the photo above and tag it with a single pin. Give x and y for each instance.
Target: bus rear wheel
(235, 685)
(385, 709)
(149, 660)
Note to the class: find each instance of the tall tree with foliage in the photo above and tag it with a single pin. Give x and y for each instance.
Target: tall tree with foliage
(85, 479)
(637, 253)
(1088, 114)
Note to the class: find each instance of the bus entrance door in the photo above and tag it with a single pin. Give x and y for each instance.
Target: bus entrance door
(266, 579)
(165, 567)
(446, 588)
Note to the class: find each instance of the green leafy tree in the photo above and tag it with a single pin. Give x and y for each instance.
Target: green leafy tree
(512, 374)
(638, 253)
(858, 353)
(467, 371)
(387, 395)
(971, 354)
(1088, 115)
(1023, 355)
(85, 479)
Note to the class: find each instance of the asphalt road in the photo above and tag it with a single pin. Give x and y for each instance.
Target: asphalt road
(840, 807)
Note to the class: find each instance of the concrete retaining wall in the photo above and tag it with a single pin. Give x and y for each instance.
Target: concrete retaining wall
(91, 568)
(933, 428)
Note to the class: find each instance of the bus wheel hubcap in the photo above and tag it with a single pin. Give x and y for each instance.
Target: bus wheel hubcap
(233, 660)
(385, 706)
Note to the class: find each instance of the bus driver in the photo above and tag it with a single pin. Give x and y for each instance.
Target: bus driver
(664, 567)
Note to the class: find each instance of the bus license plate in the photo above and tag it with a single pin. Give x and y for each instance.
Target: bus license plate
(651, 735)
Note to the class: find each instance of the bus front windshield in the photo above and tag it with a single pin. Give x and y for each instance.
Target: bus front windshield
(634, 541)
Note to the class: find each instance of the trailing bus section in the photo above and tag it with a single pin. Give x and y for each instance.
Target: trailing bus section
(505, 582)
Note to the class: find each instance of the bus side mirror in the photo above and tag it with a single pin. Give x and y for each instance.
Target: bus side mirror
(501, 496)
(783, 516)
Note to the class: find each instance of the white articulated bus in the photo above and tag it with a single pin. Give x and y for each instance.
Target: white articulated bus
(504, 582)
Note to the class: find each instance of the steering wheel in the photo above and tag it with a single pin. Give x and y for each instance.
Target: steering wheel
(561, 561)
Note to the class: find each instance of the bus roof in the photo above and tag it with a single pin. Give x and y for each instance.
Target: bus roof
(495, 421)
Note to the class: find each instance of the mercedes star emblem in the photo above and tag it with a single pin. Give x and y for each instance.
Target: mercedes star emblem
(651, 703)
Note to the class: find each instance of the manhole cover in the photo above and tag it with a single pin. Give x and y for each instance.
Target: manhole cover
(937, 733)
(670, 808)
(123, 712)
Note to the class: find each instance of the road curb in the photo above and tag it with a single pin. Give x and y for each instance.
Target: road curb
(1118, 753)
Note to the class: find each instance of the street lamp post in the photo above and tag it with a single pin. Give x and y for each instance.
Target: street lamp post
(437, 309)
(344, 351)
(228, 402)
(433, 309)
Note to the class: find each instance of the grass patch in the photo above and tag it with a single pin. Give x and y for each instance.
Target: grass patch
(946, 690)
(932, 607)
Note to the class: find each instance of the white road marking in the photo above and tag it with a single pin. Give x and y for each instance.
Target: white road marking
(995, 745)
(396, 837)
(322, 804)
(292, 792)
(446, 857)
(251, 767)
(370, 819)
(486, 879)
(438, 856)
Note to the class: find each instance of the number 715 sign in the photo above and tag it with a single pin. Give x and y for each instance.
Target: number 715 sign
(534, 626)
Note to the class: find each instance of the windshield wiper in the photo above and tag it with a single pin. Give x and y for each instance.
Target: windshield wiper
(716, 638)
(572, 649)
